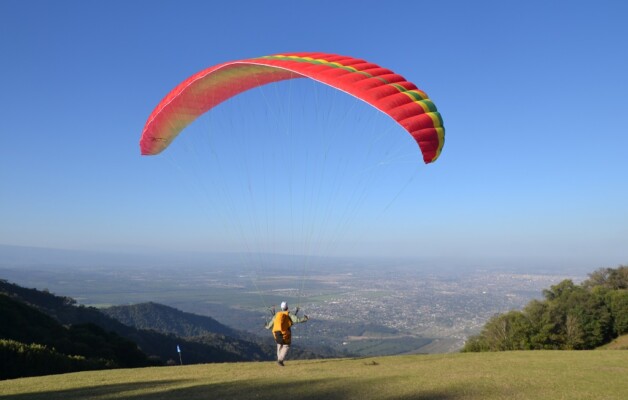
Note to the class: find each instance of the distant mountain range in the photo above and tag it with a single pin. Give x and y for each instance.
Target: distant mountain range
(39, 256)
(16, 256)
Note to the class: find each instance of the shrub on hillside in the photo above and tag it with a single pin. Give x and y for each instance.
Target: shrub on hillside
(20, 360)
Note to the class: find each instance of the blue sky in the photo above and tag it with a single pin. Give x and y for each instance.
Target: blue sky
(533, 95)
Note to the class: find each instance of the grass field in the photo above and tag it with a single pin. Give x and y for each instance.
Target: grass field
(601, 374)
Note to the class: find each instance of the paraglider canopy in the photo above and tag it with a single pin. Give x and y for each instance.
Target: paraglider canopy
(383, 89)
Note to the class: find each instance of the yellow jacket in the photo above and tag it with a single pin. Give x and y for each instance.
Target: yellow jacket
(281, 322)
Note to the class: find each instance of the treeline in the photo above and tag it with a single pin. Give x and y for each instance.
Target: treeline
(20, 359)
(571, 317)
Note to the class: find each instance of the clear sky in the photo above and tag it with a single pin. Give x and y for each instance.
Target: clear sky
(532, 93)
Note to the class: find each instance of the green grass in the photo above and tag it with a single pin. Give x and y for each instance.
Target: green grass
(507, 375)
(379, 347)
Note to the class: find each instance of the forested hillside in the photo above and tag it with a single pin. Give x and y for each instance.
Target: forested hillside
(571, 317)
(168, 320)
(53, 327)
(33, 343)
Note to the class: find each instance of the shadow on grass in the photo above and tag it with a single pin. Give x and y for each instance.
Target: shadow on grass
(328, 389)
(95, 392)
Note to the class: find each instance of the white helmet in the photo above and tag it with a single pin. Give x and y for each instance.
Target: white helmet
(284, 305)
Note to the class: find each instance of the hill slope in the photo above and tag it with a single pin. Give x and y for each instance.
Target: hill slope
(168, 320)
(74, 348)
(620, 343)
(505, 375)
(158, 345)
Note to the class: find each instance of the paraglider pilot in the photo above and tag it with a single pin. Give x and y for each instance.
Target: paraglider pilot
(280, 325)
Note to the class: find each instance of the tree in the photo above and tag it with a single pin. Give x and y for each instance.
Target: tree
(618, 304)
(609, 278)
(570, 317)
(502, 332)
(574, 335)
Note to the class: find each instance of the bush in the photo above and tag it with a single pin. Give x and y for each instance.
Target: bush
(20, 360)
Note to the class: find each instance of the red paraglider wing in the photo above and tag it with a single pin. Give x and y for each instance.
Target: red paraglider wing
(383, 89)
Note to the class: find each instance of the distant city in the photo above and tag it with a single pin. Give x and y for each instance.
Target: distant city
(431, 305)
(365, 309)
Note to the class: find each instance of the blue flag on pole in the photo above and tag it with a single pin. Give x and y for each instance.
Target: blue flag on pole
(178, 349)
